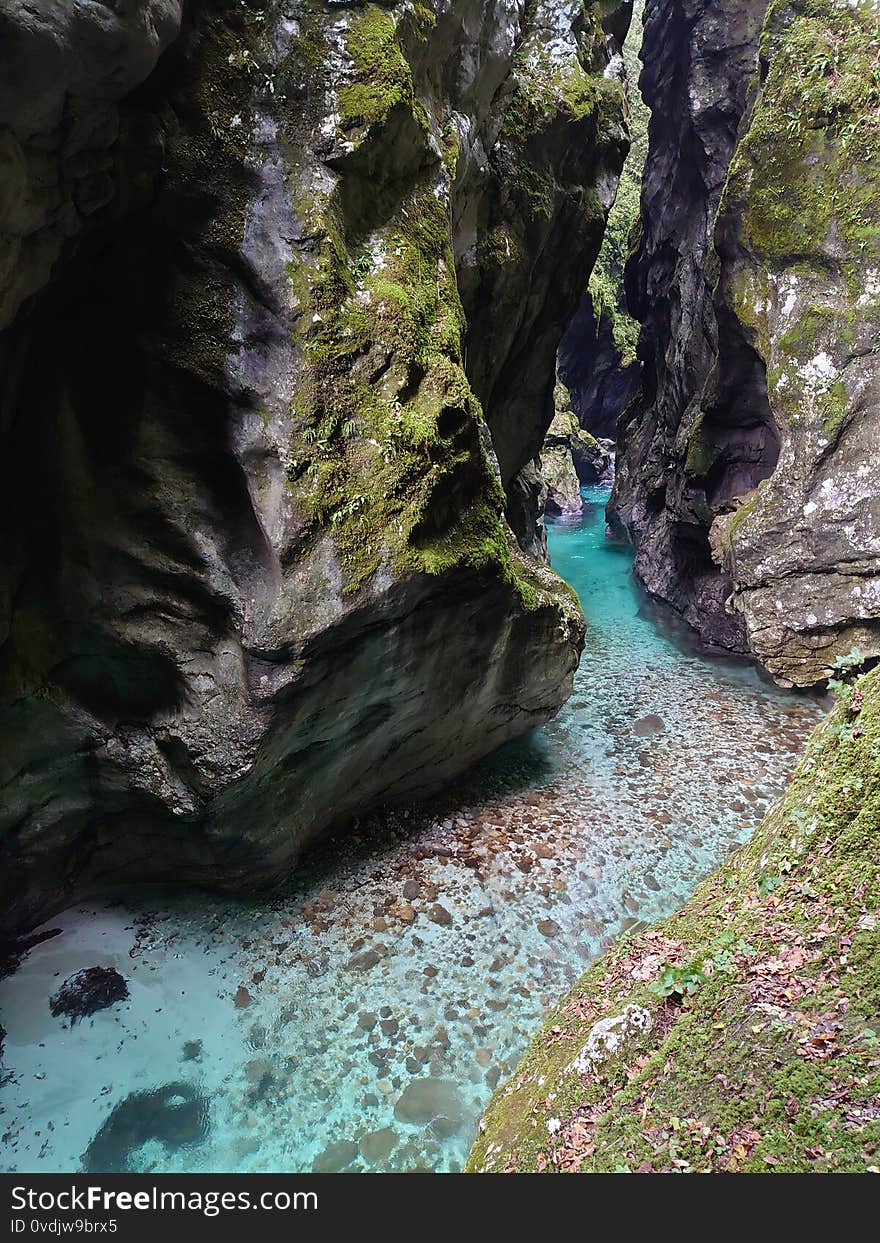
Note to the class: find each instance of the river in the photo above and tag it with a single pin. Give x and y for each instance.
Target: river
(360, 1019)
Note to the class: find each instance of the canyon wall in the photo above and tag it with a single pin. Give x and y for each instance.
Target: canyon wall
(747, 477)
(282, 287)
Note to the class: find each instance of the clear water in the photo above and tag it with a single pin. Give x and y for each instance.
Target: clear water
(418, 952)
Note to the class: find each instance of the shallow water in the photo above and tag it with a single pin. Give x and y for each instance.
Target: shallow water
(420, 951)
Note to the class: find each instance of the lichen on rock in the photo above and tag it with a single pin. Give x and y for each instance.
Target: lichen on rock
(800, 254)
(748, 477)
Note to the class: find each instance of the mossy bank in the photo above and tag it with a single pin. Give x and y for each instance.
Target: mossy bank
(741, 1034)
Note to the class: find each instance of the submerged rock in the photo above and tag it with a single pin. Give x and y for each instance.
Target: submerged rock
(336, 1157)
(431, 1101)
(88, 991)
(377, 1147)
(777, 1017)
(174, 1116)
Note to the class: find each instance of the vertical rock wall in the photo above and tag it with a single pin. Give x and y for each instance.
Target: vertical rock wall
(746, 478)
(257, 574)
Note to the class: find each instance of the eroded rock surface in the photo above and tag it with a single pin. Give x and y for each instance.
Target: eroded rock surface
(558, 468)
(602, 382)
(258, 574)
(798, 305)
(748, 478)
(63, 70)
(699, 60)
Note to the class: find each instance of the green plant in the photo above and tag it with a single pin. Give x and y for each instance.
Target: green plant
(843, 669)
(679, 982)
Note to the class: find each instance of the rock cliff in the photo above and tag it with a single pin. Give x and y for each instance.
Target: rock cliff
(283, 285)
(698, 63)
(746, 477)
(571, 457)
(597, 355)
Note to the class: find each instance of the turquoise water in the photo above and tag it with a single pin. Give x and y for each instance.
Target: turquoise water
(361, 1019)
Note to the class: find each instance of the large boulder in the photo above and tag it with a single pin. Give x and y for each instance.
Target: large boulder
(267, 427)
(558, 468)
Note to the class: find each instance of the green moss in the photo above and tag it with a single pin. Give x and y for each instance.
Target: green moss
(834, 404)
(741, 516)
(701, 453)
(383, 78)
(501, 247)
(387, 457)
(547, 101)
(815, 134)
(771, 1064)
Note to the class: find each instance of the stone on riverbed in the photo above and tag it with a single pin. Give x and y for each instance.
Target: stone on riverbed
(434, 1101)
(378, 1146)
(335, 1157)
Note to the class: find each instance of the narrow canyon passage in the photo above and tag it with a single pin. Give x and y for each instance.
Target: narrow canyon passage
(361, 1019)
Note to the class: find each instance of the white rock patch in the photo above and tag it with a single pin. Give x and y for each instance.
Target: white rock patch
(608, 1036)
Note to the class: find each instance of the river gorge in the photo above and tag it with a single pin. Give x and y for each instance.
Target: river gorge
(362, 1018)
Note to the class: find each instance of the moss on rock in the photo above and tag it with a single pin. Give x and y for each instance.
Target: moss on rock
(388, 453)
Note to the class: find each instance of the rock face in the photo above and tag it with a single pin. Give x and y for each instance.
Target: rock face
(699, 61)
(540, 179)
(571, 457)
(748, 478)
(257, 572)
(597, 355)
(65, 69)
(557, 466)
(601, 381)
(798, 307)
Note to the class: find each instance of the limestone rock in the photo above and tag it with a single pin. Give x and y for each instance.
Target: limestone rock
(571, 457)
(602, 383)
(609, 1036)
(557, 466)
(431, 1101)
(749, 478)
(259, 473)
(64, 68)
(799, 295)
(335, 1157)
